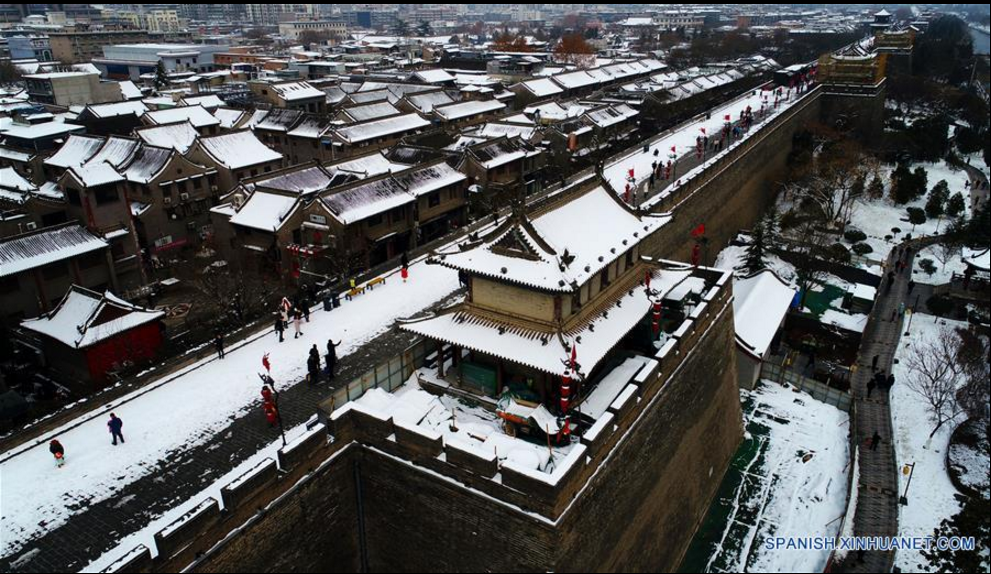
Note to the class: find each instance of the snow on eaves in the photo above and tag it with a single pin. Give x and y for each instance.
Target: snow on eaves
(381, 128)
(196, 115)
(84, 318)
(24, 252)
(238, 150)
(594, 229)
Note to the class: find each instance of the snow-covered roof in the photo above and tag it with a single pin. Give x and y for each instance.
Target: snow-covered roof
(84, 318)
(95, 174)
(24, 252)
(379, 196)
(542, 88)
(312, 127)
(279, 120)
(39, 131)
(573, 80)
(979, 259)
(238, 149)
(306, 180)
(228, 117)
(367, 165)
(367, 199)
(495, 130)
(594, 229)
(265, 210)
(426, 101)
(427, 179)
(381, 128)
(129, 90)
(372, 111)
(610, 115)
(294, 91)
(436, 76)
(208, 101)
(451, 112)
(115, 109)
(196, 115)
(760, 303)
(174, 136)
(10, 179)
(115, 151)
(147, 162)
(545, 350)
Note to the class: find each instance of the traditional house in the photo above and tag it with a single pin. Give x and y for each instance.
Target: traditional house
(236, 156)
(760, 305)
(358, 138)
(552, 293)
(88, 335)
(37, 267)
(498, 170)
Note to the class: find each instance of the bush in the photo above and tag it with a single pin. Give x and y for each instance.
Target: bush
(940, 305)
(838, 252)
(854, 235)
(956, 205)
(862, 249)
(927, 266)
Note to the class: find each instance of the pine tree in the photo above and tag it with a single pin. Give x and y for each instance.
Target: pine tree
(973, 520)
(161, 77)
(875, 190)
(756, 253)
(956, 205)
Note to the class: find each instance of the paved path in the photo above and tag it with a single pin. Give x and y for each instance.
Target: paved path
(98, 528)
(877, 501)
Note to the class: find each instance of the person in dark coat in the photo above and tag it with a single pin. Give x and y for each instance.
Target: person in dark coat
(313, 369)
(331, 357)
(875, 440)
(405, 260)
(870, 387)
(874, 362)
(280, 328)
(115, 425)
(218, 343)
(305, 306)
(890, 382)
(58, 451)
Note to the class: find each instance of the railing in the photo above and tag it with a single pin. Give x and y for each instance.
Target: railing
(387, 376)
(819, 391)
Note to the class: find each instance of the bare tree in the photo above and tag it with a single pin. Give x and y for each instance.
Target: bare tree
(934, 370)
(830, 185)
(241, 295)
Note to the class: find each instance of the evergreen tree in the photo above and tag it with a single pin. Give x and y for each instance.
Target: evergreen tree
(756, 253)
(956, 205)
(973, 520)
(936, 204)
(161, 77)
(875, 190)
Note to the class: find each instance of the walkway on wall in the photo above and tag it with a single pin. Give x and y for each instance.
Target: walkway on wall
(877, 500)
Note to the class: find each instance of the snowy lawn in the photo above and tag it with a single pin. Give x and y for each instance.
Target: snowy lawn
(877, 218)
(931, 497)
(188, 409)
(789, 478)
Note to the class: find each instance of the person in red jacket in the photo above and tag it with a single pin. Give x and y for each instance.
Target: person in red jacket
(271, 414)
(58, 451)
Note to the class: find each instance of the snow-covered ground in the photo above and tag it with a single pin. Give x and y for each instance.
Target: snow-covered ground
(186, 409)
(795, 483)
(876, 218)
(931, 497)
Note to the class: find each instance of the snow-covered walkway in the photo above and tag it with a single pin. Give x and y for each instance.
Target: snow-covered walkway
(187, 409)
